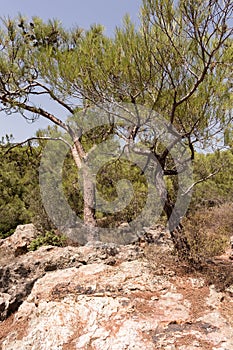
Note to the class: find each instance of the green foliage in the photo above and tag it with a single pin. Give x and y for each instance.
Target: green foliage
(20, 201)
(178, 62)
(107, 181)
(218, 188)
(7, 232)
(108, 177)
(17, 177)
(49, 238)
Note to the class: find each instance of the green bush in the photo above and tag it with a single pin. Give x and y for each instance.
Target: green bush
(218, 189)
(208, 231)
(18, 176)
(7, 233)
(50, 238)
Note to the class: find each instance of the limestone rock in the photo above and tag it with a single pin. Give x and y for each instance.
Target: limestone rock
(18, 243)
(106, 296)
(18, 276)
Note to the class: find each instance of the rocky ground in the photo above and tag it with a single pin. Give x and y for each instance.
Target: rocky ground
(108, 297)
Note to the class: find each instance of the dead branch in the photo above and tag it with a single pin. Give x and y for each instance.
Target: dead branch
(199, 181)
(45, 138)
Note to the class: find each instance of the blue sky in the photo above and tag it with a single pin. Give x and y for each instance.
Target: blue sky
(71, 12)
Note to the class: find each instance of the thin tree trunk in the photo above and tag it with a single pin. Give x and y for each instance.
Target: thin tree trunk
(88, 189)
(89, 198)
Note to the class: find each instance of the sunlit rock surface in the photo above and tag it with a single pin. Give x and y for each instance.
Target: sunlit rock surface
(108, 297)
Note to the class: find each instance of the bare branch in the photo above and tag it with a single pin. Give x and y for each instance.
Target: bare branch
(45, 138)
(55, 98)
(35, 110)
(199, 181)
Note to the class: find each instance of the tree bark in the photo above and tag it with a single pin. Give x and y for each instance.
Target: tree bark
(88, 187)
(179, 239)
(89, 198)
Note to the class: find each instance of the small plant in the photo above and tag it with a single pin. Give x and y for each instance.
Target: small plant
(7, 234)
(49, 238)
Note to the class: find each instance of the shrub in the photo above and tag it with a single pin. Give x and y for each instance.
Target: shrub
(208, 231)
(50, 238)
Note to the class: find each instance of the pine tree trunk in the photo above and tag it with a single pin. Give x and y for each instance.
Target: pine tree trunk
(88, 190)
(89, 198)
(175, 227)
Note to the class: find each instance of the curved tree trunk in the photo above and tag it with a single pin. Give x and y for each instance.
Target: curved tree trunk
(179, 239)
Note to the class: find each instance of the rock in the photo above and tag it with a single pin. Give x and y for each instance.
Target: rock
(157, 234)
(4, 305)
(18, 243)
(124, 225)
(105, 296)
(230, 289)
(104, 307)
(18, 276)
(231, 242)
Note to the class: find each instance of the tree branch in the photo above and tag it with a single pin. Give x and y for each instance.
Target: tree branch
(55, 98)
(38, 138)
(35, 110)
(199, 181)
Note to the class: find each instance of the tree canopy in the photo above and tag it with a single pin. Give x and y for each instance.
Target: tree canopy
(177, 63)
